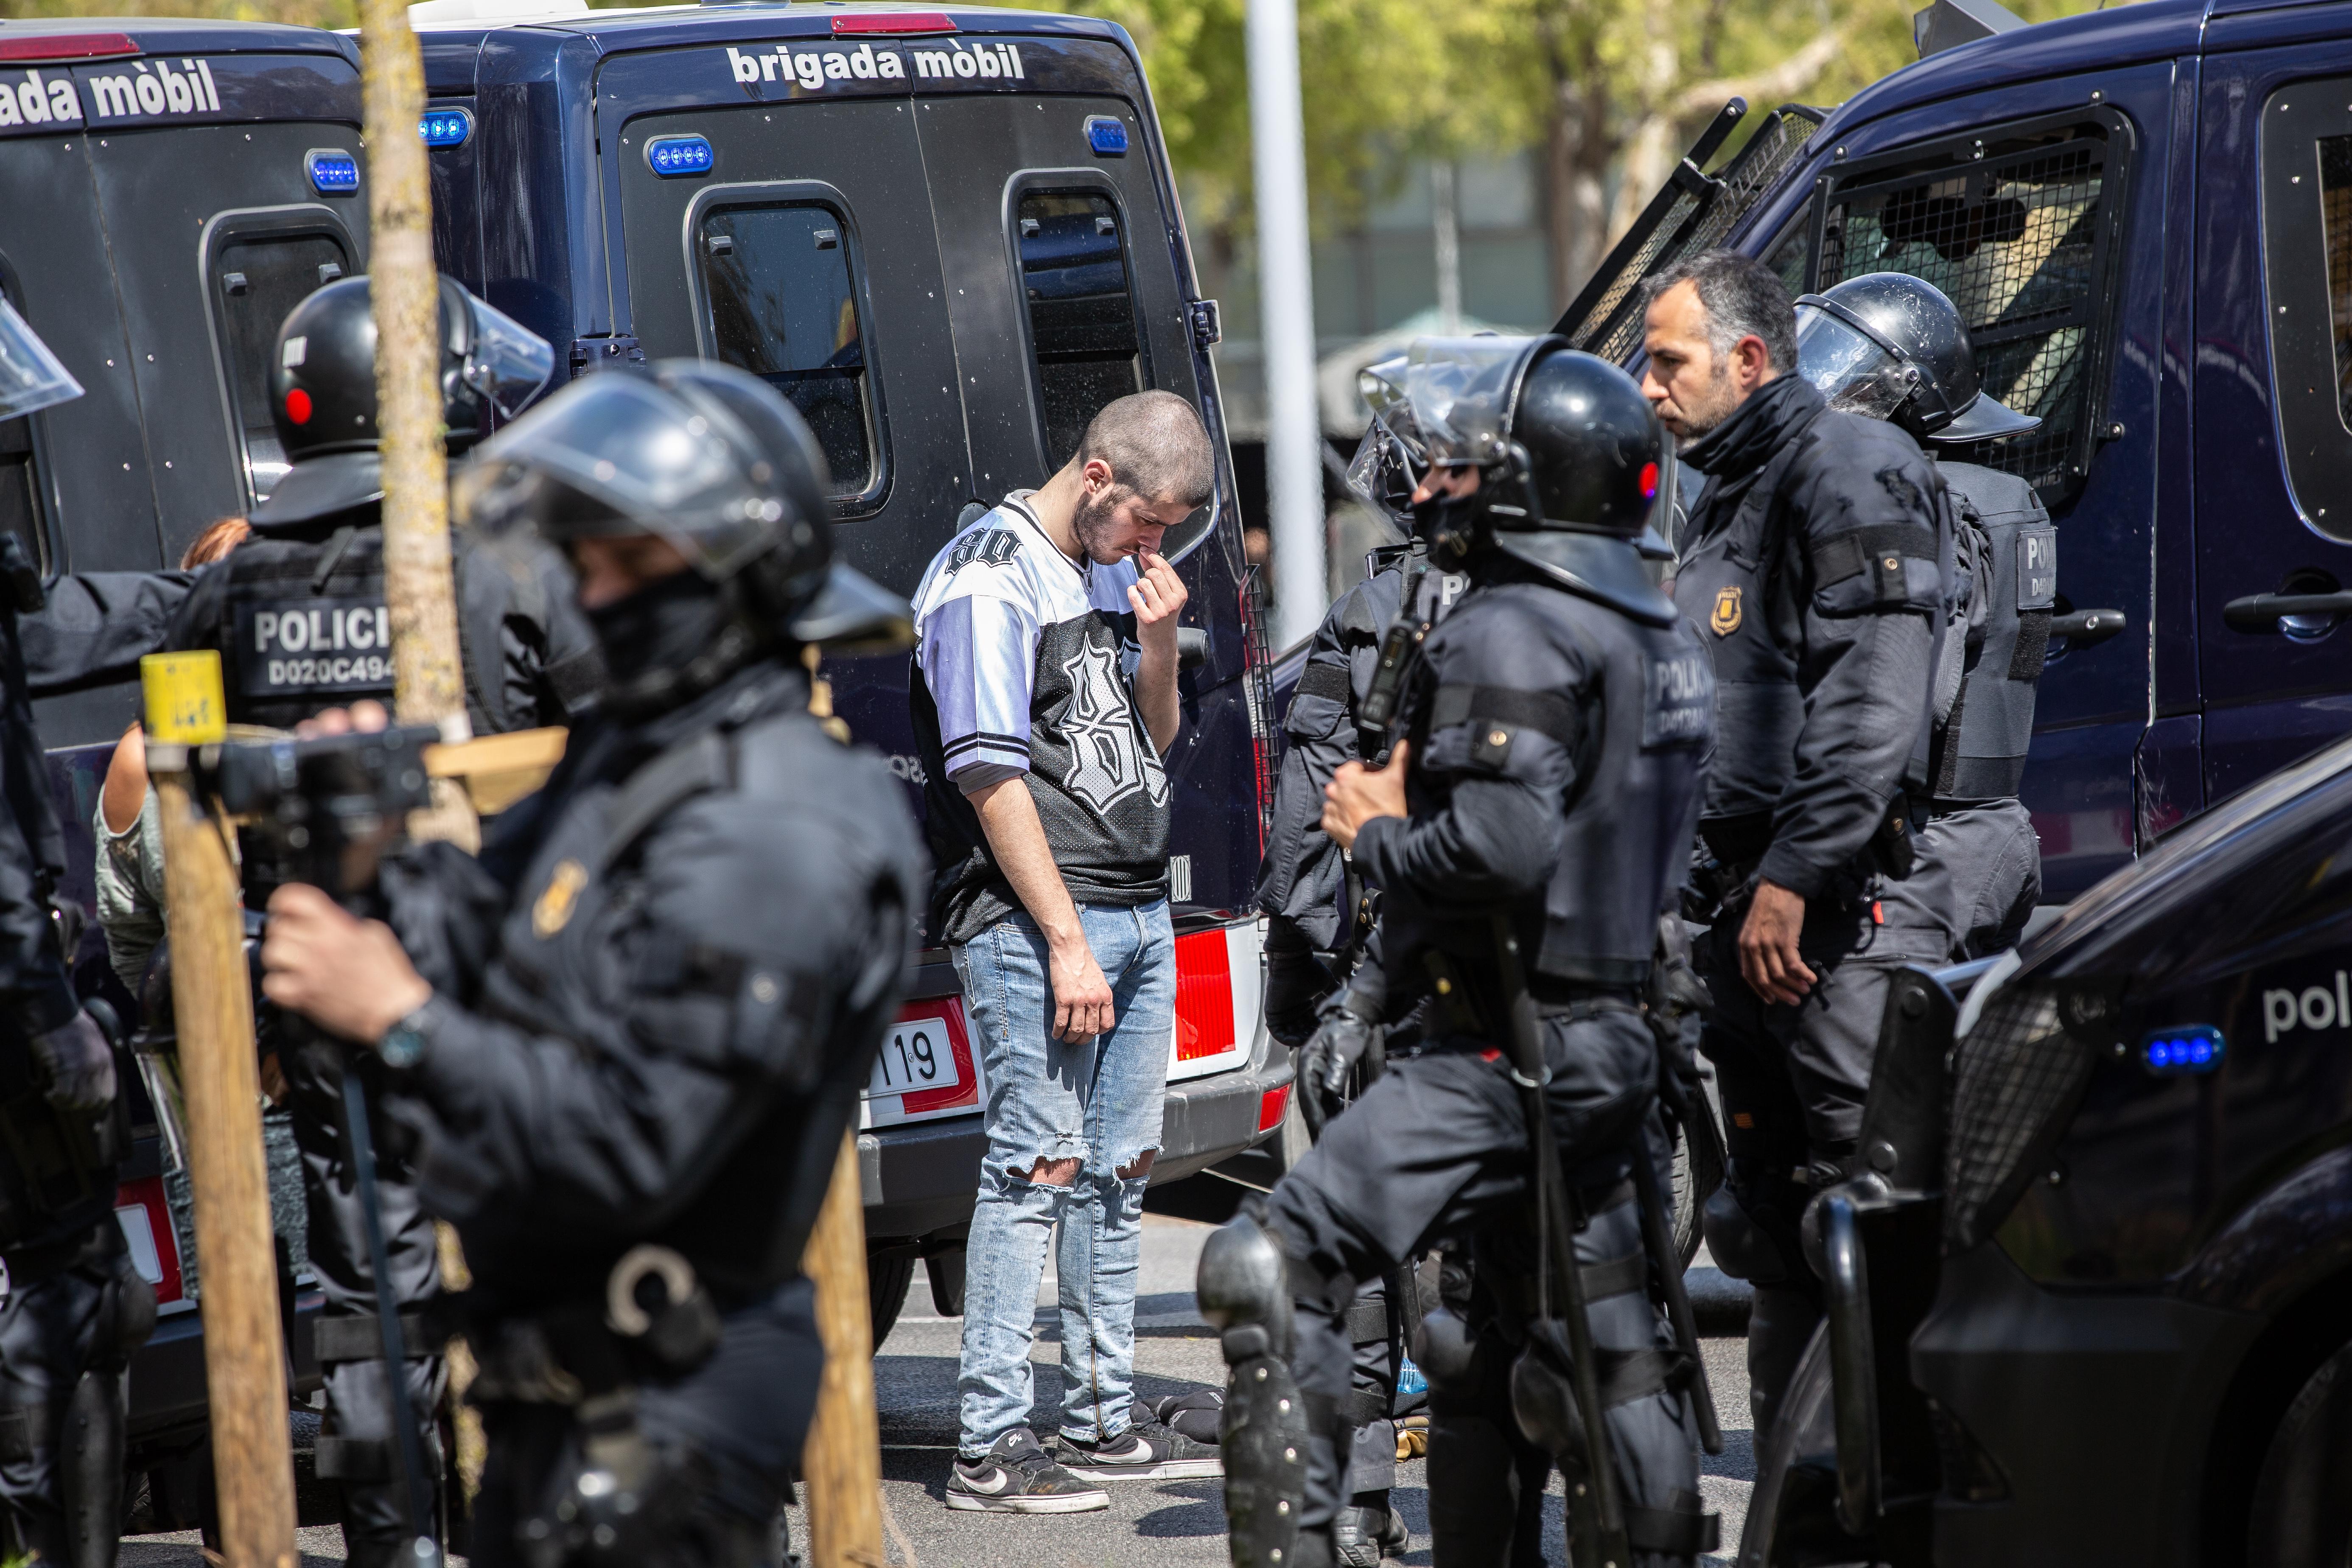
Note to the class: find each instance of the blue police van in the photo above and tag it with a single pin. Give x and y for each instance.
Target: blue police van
(949, 238)
(2142, 212)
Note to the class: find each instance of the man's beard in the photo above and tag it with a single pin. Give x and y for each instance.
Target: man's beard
(1701, 421)
(1095, 521)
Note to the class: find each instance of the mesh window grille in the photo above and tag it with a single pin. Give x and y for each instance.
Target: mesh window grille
(2016, 240)
(1697, 219)
(2011, 1075)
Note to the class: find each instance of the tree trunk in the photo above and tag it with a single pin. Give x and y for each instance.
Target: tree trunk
(418, 587)
(1577, 151)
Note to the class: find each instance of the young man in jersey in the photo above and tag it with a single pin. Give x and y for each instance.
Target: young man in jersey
(1044, 698)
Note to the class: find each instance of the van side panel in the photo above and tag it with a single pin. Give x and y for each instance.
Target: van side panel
(544, 263)
(93, 461)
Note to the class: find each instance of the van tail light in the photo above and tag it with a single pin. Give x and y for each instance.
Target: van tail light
(1270, 1107)
(66, 47)
(145, 1216)
(899, 22)
(1257, 691)
(1205, 996)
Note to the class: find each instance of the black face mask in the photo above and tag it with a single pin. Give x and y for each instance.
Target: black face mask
(661, 627)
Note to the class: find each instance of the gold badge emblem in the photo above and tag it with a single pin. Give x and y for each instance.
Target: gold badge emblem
(554, 907)
(1726, 618)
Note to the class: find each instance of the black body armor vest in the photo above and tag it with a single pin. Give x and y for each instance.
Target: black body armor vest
(1981, 746)
(1519, 667)
(305, 625)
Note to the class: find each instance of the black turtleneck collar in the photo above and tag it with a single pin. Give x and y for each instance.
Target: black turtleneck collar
(1757, 428)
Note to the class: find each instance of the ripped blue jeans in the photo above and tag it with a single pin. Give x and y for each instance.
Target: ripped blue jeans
(1098, 1103)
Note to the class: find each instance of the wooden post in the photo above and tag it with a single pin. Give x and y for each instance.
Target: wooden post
(841, 1467)
(419, 589)
(245, 1354)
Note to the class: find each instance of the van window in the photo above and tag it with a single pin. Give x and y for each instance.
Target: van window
(782, 297)
(2308, 252)
(1082, 317)
(2019, 237)
(256, 281)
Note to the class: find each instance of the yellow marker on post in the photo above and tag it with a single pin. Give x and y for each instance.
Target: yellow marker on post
(185, 705)
(245, 1357)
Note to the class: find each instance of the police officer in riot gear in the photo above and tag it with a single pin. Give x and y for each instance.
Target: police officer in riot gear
(1321, 915)
(633, 1032)
(298, 614)
(1526, 835)
(1890, 346)
(1816, 568)
(76, 1309)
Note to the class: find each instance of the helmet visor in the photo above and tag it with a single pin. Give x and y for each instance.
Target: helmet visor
(637, 460)
(1381, 473)
(508, 362)
(31, 378)
(1459, 392)
(1855, 372)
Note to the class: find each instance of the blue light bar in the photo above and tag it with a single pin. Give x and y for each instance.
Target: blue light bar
(2180, 1052)
(332, 171)
(1106, 136)
(449, 127)
(671, 157)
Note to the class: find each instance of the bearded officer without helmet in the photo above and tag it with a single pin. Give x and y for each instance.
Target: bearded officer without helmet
(1816, 569)
(634, 1031)
(298, 614)
(1553, 735)
(1890, 346)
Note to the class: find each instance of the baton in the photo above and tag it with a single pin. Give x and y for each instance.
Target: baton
(422, 1548)
(1660, 1241)
(1551, 1205)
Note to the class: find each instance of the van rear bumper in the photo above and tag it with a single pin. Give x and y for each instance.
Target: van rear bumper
(921, 1178)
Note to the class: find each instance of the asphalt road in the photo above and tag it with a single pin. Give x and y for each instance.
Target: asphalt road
(1166, 1524)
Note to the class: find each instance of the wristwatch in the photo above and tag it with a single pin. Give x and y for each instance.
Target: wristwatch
(402, 1045)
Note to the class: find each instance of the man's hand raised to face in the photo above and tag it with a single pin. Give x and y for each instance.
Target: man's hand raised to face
(1157, 596)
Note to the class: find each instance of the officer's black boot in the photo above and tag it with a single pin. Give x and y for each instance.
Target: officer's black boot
(90, 1468)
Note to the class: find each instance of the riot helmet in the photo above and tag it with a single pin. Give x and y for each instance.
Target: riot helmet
(1890, 346)
(31, 377)
(322, 392)
(716, 462)
(1570, 458)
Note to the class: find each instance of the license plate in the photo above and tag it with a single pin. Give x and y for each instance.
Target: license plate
(925, 1065)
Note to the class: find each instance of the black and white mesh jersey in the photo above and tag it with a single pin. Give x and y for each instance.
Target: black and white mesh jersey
(1025, 663)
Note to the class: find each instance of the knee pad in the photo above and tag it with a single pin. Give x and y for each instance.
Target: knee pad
(1243, 1288)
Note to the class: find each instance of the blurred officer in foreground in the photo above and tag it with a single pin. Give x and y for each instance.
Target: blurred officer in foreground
(76, 1310)
(633, 1031)
(1890, 346)
(1527, 833)
(1816, 569)
(1321, 915)
(298, 614)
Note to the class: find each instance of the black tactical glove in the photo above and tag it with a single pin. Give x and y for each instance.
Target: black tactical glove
(1295, 983)
(79, 1064)
(1342, 1036)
